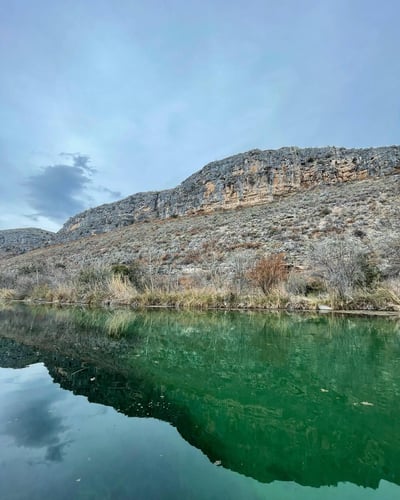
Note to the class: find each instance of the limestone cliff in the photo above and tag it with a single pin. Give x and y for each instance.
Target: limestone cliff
(247, 179)
(215, 247)
(255, 177)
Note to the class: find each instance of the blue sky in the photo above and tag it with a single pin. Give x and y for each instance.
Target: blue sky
(101, 99)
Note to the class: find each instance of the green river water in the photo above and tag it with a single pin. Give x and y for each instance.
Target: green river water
(98, 404)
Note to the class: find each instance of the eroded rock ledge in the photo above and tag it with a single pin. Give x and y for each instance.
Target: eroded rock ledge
(254, 177)
(247, 179)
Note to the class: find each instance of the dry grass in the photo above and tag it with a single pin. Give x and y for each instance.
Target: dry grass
(7, 294)
(117, 290)
(184, 299)
(120, 289)
(381, 299)
(393, 286)
(65, 293)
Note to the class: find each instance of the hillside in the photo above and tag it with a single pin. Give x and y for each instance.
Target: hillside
(16, 241)
(192, 245)
(246, 179)
(214, 243)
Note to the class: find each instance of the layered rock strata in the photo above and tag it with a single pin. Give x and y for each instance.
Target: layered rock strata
(255, 177)
(220, 243)
(247, 179)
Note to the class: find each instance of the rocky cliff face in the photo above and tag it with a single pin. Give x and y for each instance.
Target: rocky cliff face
(213, 248)
(247, 179)
(17, 241)
(255, 177)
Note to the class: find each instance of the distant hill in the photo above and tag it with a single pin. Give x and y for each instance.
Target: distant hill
(16, 241)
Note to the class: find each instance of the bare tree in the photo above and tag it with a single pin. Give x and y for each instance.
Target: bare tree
(240, 266)
(344, 264)
(388, 250)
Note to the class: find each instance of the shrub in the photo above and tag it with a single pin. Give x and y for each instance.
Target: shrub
(359, 233)
(7, 280)
(29, 269)
(192, 257)
(134, 273)
(344, 265)
(389, 253)
(240, 265)
(268, 272)
(325, 211)
(91, 277)
(296, 284)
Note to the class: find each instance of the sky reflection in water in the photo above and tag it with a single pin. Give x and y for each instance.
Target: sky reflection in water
(54, 444)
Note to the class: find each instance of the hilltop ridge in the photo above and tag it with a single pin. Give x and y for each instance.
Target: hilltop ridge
(247, 179)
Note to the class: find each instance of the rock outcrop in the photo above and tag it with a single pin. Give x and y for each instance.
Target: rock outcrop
(218, 245)
(255, 177)
(244, 180)
(17, 241)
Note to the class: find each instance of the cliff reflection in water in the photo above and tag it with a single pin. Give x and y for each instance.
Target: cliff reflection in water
(310, 399)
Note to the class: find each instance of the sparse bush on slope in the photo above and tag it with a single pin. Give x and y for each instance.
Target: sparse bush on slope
(268, 272)
(344, 264)
(134, 273)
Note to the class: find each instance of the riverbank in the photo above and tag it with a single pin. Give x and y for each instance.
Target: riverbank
(119, 293)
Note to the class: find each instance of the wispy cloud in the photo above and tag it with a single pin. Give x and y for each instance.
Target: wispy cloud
(30, 421)
(61, 190)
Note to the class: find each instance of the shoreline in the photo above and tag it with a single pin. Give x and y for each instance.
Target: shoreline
(113, 305)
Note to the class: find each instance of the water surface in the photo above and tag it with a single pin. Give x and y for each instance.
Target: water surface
(101, 404)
